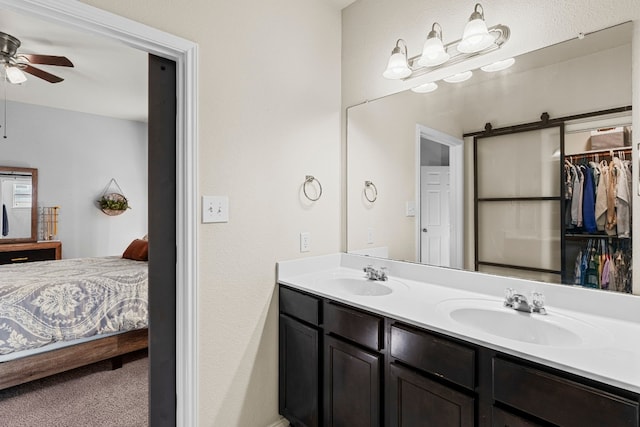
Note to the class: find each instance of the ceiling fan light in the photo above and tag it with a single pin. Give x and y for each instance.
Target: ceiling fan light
(499, 65)
(476, 36)
(460, 77)
(398, 66)
(15, 75)
(425, 88)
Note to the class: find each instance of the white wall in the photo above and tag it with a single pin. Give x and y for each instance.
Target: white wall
(269, 114)
(76, 155)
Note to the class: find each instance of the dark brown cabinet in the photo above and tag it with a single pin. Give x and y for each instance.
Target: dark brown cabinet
(352, 385)
(342, 366)
(559, 400)
(415, 400)
(299, 398)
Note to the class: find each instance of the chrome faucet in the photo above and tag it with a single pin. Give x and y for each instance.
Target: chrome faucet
(520, 303)
(373, 273)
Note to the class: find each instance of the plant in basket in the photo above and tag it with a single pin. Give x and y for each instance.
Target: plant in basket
(113, 204)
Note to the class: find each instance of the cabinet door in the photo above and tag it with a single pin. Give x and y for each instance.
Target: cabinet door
(352, 385)
(299, 394)
(416, 401)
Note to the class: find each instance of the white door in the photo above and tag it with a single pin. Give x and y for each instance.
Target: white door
(435, 233)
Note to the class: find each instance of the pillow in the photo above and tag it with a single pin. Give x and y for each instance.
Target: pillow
(137, 250)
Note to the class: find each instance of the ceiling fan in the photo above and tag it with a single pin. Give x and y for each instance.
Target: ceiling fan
(16, 64)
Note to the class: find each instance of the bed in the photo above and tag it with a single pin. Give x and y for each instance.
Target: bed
(59, 315)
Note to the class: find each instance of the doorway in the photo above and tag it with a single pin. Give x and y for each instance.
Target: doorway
(439, 192)
(183, 246)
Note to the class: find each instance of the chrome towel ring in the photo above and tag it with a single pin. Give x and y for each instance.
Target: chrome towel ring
(309, 179)
(368, 185)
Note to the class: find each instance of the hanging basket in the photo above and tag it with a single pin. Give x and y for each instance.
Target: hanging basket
(113, 202)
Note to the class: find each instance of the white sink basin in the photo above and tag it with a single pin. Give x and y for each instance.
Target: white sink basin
(552, 329)
(361, 286)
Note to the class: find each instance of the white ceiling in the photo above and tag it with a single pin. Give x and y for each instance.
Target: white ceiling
(108, 78)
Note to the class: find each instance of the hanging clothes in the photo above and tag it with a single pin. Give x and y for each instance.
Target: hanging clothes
(601, 196)
(623, 199)
(610, 225)
(5, 221)
(576, 201)
(588, 201)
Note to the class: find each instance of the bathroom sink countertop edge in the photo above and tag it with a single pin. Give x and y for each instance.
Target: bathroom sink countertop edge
(610, 355)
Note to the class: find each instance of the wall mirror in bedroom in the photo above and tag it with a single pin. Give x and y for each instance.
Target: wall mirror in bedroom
(415, 151)
(19, 195)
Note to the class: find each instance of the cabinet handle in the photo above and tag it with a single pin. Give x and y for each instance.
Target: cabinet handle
(24, 258)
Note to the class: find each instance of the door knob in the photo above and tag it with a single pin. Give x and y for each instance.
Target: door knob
(424, 230)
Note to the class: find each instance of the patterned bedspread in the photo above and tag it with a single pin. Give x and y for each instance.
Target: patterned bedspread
(43, 302)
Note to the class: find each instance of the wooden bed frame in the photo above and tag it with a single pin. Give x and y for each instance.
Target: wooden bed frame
(29, 368)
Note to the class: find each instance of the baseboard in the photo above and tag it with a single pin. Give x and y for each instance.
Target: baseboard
(281, 423)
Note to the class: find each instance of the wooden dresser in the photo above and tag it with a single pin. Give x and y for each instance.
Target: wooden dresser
(12, 253)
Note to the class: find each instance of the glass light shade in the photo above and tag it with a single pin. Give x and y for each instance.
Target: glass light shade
(476, 37)
(433, 53)
(425, 88)
(397, 68)
(15, 75)
(498, 66)
(460, 77)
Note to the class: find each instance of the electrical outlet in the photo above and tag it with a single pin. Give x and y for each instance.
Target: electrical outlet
(305, 241)
(215, 209)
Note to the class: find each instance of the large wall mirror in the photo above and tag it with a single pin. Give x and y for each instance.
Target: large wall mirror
(19, 195)
(412, 174)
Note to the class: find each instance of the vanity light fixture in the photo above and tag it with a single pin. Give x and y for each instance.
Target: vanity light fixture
(476, 35)
(398, 66)
(433, 52)
(477, 40)
(425, 88)
(460, 77)
(499, 66)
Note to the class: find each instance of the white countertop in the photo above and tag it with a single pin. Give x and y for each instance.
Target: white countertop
(421, 294)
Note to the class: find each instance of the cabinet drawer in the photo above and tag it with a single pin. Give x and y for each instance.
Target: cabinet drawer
(354, 325)
(558, 400)
(505, 419)
(27, 256)
(435, 355)
(299, 305)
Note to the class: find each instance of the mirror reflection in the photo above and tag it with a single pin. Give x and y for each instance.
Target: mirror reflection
(18, 190)
(500, 209)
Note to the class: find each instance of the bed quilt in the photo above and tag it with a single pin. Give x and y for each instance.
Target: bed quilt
(48, 301)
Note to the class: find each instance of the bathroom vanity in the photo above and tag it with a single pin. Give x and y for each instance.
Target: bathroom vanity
(425, 348)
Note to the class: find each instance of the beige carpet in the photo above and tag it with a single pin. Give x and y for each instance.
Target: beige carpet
(92, 396)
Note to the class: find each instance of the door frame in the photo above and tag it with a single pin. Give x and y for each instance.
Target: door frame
(456, 197)
(185, 53)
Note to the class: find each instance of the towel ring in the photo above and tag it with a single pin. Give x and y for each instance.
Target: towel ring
(308, 180)
(374, 190)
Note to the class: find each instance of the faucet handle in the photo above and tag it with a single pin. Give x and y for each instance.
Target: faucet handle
(538, 303)
(383, 273)
(509, 294)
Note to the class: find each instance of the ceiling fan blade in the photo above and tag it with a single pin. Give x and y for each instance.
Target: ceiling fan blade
(61, 61)
(41, 74)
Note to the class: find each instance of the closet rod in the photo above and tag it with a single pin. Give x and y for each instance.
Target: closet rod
(603, 151)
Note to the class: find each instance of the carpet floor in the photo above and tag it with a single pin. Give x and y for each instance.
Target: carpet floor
(91, 396)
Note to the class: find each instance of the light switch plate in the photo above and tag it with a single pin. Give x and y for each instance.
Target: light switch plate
(215, 209)
(410, 208)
